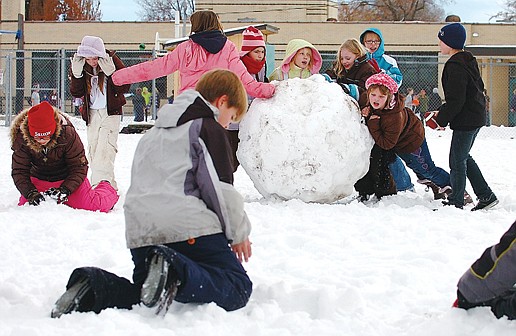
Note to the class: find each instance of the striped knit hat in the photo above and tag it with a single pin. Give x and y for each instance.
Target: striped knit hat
(252, 39)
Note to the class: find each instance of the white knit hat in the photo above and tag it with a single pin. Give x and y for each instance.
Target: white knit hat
(91, 46)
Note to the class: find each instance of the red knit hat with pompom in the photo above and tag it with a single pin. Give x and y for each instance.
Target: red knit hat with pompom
(41, 120)
(252, 39)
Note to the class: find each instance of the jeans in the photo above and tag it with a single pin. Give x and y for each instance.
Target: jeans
(400, 175)
(420, 161)
(462, 165)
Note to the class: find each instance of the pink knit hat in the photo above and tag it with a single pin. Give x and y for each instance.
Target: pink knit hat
(252, 39)
(382, 79)
(92, 46)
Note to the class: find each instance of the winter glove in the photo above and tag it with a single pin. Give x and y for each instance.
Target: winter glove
(77, 65)
(35, 197)
(107, 65)
(59, 194)
(350, 89)
(328, 78)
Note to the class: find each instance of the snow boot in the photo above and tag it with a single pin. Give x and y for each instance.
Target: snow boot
(467, 198)
(160, 286)
(71, 299)
(439, 193)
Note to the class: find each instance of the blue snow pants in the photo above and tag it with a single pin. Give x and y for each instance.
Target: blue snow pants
(207, 268)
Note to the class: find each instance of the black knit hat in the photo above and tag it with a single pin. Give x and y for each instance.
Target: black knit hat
(453, 35)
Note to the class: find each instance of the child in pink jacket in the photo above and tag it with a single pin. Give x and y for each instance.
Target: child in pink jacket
(207, 48)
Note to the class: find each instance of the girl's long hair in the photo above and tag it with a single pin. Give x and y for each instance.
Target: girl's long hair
(205, 21)
(89, 73)
(355, 47)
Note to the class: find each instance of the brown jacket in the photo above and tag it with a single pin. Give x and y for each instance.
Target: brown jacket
(398, 128)
(62, 158)
(115, 94)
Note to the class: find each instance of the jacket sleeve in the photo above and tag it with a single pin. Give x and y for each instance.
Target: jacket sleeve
(390, 66)
(141, 72)
(253, 88)
(20, 167)
(455, 82)
(494, 273)
(77, 86)
(386, 131)
(75, 160)
(119, 65)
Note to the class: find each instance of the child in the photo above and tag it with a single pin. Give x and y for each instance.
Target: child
(352, 69)
(372, 39)
(301, 61)
(464, 110)
(207, 48)
(396, 128)
(491, 280)
(181, 211)
(92, 67)
(252, 55)
(48, 159)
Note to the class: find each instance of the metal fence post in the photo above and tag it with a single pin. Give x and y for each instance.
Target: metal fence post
(154, 96)
(62, 81)
(8, 90)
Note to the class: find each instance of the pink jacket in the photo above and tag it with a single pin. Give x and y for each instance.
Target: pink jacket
(193, 61)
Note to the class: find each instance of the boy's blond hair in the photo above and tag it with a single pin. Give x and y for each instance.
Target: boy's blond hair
(355, 47)
(220, 82)
(205, 21)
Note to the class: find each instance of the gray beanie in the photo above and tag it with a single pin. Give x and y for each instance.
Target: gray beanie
(92, 46)
(453, 35)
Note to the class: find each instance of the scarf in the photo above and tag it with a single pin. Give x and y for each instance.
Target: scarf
(252, 66)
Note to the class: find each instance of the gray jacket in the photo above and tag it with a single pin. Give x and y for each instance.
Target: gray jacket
(181, 179)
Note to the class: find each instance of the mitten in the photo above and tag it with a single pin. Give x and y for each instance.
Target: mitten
(59, 194)
(34, 197)
(107, 65)
(328, 78)
(77, 65)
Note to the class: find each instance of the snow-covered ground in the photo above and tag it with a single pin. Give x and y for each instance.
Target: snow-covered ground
(388, 268)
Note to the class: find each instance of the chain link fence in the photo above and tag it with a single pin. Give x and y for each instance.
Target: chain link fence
(46, 72)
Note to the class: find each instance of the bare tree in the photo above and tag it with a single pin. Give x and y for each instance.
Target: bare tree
(508, 14)
(52, 10)
(165, 10)
(392, 10)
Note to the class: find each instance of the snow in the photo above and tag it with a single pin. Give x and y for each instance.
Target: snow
(306, 142)
(388, 268)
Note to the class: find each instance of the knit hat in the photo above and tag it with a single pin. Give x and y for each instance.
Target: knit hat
(382, 79)
(453, 35)
(41, 120)
(92, 46)
(252, 39)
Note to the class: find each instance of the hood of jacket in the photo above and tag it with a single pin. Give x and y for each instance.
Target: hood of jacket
(21, 125)
(189, 105)
(381, 48)
(213, 40)
(469, 62)
(292, 48)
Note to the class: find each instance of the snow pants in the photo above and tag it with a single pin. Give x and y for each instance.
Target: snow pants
(378, 179)
(491, 279)
(101, 198)
(207, 268)
(102, 133)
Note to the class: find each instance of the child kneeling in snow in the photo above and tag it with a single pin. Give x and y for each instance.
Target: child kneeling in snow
(182, 214)
(49, 159)
(491, 280)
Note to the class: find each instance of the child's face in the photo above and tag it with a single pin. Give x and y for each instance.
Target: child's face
(303, 57)
(347, 58)
(372, 41)
(258, 54)
(443, 48)
(92, 61)
(42, 140)
(377, 99)
(226, 114)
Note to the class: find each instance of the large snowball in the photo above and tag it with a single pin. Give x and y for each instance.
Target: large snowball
(306, 142)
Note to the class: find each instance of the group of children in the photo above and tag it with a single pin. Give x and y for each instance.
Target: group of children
(197, 255)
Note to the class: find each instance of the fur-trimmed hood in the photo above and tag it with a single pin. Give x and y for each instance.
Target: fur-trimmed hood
(20, 125)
